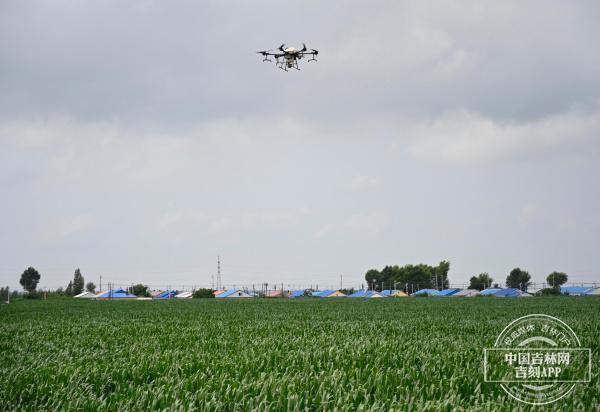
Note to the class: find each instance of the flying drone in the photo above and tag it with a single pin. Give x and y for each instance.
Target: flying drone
(288, 57)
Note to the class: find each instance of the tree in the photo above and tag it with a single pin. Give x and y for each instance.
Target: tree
(30, 279)
(419, 276)
(557, 279)
(140, 290)
(69, 289)
(90, 287)
(203, 294)
(481, 281)
(78, 282)
(371, 277)
(518, 279)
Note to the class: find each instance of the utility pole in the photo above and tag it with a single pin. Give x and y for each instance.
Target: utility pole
(100, 283)
(219, 272)
(341, 282)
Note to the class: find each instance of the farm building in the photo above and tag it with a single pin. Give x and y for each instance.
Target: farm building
(218, 292)
(275, 294)
(328, 294)
(155, 293)
(85, 295)
(393, 293)
(448, 292)
(511, 293)
(593, 292)
(466, 293)
(426, 292)
(115, 294)
(232, 294)
(296, 293)
(489, 291)
(366, 294)
(184, 295)
(167, 294)
(575, 290)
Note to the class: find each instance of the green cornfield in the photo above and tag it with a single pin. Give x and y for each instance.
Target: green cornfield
(280, 354)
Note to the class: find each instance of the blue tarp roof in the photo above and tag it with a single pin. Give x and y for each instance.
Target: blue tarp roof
(166, 294)
(362, 294)
(448, 292)
(296, 294)
(226, 293)
(230, 292)
(116, 294)
(575, 290)
(507, 293)
(430, 292)
(490, 291)
(389, 292)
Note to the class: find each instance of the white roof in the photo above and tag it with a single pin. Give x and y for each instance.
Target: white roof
(466, 292)
(184, 295)
(85, 295)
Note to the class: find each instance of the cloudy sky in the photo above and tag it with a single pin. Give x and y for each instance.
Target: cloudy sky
(139, 140)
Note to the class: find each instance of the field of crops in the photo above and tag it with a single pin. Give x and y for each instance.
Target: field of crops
(314, 354)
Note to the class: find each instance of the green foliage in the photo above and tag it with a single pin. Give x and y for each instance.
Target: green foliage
(396, 277)
(69, 289)
(34, 295)
(550, 291)
(140, 290)
(203, 294)
(90, 287)
(557, 279)
(269, 354)
(78, 282)
(481, 281)
(30, 279)
(519, 279)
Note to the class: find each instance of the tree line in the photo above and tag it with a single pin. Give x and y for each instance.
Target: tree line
(409, 277)
(416, 277)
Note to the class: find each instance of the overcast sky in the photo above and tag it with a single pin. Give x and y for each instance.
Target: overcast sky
(139, 140)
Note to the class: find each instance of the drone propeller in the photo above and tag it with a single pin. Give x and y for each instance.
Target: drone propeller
(315, 51)
(303, 47)
(281, 47)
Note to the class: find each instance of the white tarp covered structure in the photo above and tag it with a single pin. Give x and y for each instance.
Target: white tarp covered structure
(184, 295)
(466, 293)
(85, 295)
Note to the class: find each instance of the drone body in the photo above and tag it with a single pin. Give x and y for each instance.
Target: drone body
(287, 58)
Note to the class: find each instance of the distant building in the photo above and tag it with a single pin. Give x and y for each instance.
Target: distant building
(366, 294)
(232, 294)
(428, 292)
(466, 293)
(167, 294)
(489, 291)
(115, 294)
(393, 293)
(85, 295)
(448, 292)
(511, 293)
(575, 290)
(328, 294)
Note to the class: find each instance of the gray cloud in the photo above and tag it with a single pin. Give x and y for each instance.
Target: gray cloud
(140, 140)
